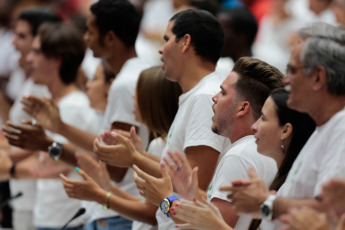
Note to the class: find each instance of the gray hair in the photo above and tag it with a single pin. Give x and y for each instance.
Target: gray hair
(325, 46)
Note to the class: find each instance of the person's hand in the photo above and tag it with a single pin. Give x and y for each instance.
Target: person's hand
(26, 136)
(341, 223)
(5, 166)
(246, 196)
(305, 218)
(110, 138)
(152, 188)
(333, 197)
(185, 180)
(198, 215)
(86, 189)
(45, 111)
(96, 170)
(120, 155)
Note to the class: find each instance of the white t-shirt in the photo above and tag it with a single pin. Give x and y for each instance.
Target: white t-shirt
(28, 187)
(53, 207)
(235, 164)
(120, 109)
(321, 159)
(192, 127)
(155, 148)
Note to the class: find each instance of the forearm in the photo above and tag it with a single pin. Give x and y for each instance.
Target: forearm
(282, 205)
(77, 136)
(152, 157)
(132, 209)
(148, 165)
(19, 154)
(119, 193)
(5, 108)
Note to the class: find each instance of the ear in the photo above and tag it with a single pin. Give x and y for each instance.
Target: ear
(109, 38)
(186, 43)
(243, 108)
(320, 78)
(286, 131)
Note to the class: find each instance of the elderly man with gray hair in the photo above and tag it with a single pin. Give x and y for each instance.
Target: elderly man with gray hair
(316, 79)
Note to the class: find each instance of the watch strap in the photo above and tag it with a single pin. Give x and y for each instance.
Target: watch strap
(171, 199)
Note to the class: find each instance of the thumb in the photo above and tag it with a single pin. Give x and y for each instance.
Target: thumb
(133, 132)
(252, 174)
(82, 173)
(195, 177)
(164, 170)
(26, 122)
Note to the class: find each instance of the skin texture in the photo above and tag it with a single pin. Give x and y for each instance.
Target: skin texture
(332, 196)
(152, 188)
(199, 215)
(5, 165)
(185, 181)
(305, 218)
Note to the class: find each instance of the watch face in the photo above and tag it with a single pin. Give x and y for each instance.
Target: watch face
(164, 205)
(55, 151)
(265, 210)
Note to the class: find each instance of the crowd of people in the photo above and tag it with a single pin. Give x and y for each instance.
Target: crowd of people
(172, 114)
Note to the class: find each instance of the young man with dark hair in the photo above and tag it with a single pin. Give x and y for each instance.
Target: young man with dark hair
(57, 49)
(237, 106)
(112, 30)
(193, 42)
(26, 28)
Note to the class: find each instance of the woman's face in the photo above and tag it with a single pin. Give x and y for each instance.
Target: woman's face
(97, 90)
(267, 130)
(136, 110)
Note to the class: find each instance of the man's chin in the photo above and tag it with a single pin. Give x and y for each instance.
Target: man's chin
(215, 129)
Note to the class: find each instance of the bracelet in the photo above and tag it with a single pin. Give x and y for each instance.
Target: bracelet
(106, 203)
(13, 170)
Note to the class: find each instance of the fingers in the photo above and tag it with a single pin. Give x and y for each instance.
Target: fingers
(140, 183)
(133, 133)
(164, 171)
(185, 226)
(141, 173)
(252, 174)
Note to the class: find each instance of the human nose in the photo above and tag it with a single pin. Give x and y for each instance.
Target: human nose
(255, 126)
(286, 79)
(215, 99)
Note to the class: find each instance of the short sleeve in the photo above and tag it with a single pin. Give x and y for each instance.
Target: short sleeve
(198, 128)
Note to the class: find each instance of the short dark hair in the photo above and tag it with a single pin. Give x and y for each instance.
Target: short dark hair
(119, 16)
(63, 42)
(36, 16)
(207, 34)
(257, 79)
(208, 5)
(243, 22)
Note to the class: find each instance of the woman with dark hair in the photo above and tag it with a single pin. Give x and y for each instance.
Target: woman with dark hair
(280, 133)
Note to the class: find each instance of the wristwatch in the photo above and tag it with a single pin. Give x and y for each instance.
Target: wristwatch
(55, 150)
(266, 208)
(166, 203)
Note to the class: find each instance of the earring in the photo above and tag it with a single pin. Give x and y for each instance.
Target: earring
(282, 147)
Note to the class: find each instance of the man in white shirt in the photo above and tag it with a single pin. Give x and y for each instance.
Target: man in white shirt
(316, 76)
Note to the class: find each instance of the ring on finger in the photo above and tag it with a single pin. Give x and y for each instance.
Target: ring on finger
(179, 168)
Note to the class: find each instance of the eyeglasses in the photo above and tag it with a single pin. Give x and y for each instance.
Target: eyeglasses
(290, 69)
